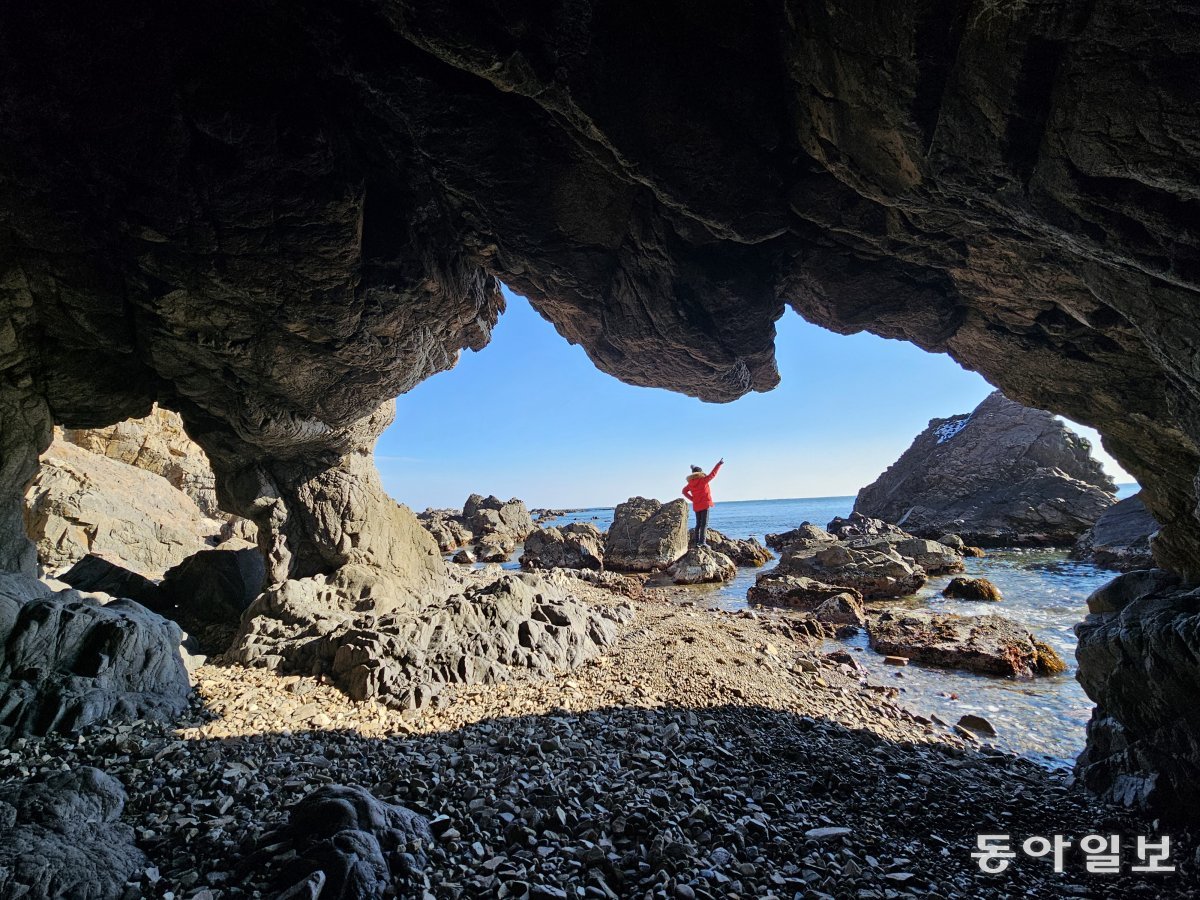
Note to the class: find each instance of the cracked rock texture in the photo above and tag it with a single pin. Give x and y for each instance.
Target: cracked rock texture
(1002, 475)
(1121, 538)
(646, 535)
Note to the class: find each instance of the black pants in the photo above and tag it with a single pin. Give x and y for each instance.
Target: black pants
(701, 527)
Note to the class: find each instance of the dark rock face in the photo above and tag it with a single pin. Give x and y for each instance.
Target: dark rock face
(990, 645)
(274, 217)
(795, 591)
(214, 586)
(1002, 475)
(343, 843)
(646, 535)
(67, 662)
(1137, 661)
(64, 839)
(1121, 537)
(579, 545)
(96, 573)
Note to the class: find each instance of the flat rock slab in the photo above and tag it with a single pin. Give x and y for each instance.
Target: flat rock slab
(990, 645)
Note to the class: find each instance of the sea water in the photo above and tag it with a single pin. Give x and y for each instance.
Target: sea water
(1043, 718)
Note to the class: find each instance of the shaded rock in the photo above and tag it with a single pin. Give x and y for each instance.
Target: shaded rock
(95, 572)
(990, 645)
(465, 556)
(873, 573)
(214, 586)
(403, 658)
(806, 532)
(1138, 662)
(646, 535)
(579, 545)
(67, 661)
(1121, 537)
(841, 609)
(795, 591)
(972, 589)
(702, 565)
(342, 843)
(81, 502)
(64, 838)
(977, 724)
(747, 553)
(1004, 474)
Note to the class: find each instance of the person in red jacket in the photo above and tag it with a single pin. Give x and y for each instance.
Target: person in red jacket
(698, 492)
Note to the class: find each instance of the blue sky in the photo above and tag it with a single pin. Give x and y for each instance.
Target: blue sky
(530, 416)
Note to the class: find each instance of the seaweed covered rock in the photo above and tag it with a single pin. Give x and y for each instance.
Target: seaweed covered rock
(990, 645)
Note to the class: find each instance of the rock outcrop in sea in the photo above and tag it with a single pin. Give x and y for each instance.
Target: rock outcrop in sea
(1002, 475)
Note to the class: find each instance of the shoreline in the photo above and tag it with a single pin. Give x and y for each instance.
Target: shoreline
(701, 754)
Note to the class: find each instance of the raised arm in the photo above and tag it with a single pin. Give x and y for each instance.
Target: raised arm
(717, 468)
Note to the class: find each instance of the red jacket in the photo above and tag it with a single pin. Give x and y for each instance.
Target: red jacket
(697, 489)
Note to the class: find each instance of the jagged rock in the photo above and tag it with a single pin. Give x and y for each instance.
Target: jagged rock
(81, 502)
(403, 658)
(858, 525)
(747, 553)
(777, 589)
(447, 528)
(841, 609)
(67, 661)
(701, 565)
(806, 532)
(238, 529)
(490, 551)
(972, 589)
(873, 573)
(1121, 537)
(646, 535)
(1138, 662)
(1002, 475)
(214, 587)
(64, 838)
(348, 845)
(156, 443)
(579, 545)
(990, 645)
(97, 573)
(498, 521)
(465, 556)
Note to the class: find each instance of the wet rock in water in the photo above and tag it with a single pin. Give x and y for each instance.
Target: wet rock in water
(96, 572)
(977, 552)
(873, 573)
(702, 565)
(1141, 750)
(841, 609)
(214, 587)
(343, 843)
(794, 591)
(972, 589)
(465, 556)
(747, 553)
(1121, 537)
(67, 661)
(858, 525)
(579, 545)
(81, 502)
(806, 532)
(977, 724)
(1004, 474)
(990, 645)
(404, 657)
(953, 541)
(646, 535)
(64, 838)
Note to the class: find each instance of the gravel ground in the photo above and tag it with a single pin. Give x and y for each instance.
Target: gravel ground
(709, 755)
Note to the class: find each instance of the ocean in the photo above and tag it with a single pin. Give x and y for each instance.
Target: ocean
(1043, 718)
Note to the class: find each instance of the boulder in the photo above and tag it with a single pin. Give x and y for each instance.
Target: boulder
(579, 545)
(794, 591)
(68, 661)
(934, 557)
(465, 556)
(858, 525)
(1004, 474)
(806, 532)
(747, 553)
(841, 609)
(405, 657)
(972, 589)
(500, 521)
(492, 551)
(990, 645)
(347, 845)
(1120, 538)
(1138, 663)
(701, 565)
(81, 503)
(873, 573)
(214, 587)
(64, 838)
(953, 541)
(646, 535)
(96, 572)
(447, 528)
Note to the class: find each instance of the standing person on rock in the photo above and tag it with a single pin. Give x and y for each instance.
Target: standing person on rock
(698, 492)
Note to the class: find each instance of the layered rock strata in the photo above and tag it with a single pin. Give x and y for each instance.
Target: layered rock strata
(1121, 538)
